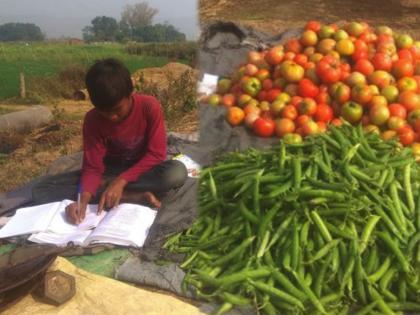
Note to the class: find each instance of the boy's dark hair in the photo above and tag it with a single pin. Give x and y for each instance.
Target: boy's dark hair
(108, 81)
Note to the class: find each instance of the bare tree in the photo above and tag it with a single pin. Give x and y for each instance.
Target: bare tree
(139, 14)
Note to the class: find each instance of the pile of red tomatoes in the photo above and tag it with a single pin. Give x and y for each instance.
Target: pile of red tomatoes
(355, 73)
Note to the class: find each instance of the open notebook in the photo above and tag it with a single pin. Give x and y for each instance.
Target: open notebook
(126, 225)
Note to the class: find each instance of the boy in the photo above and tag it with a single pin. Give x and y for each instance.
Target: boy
(124, 144)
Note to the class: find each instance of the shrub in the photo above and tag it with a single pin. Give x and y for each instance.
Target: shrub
(186, 51)
(177, 99)
(61, 85)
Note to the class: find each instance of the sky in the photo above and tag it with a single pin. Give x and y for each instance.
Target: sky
(58, 18)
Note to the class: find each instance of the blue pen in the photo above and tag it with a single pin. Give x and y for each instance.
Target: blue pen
(79, 191)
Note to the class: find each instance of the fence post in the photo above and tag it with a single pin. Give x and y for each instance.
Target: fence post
(22, 86)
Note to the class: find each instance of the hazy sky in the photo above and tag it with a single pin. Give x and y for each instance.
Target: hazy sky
(58, 18)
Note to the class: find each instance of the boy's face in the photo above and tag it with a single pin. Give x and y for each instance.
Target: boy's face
(119, 112)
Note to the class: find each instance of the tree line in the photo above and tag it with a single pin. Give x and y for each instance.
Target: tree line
(136, 24)
(20, 32)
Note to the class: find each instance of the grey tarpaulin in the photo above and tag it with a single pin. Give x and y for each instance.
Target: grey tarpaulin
(168, 277)
(22, 196)
(216, 135)
(224, 46)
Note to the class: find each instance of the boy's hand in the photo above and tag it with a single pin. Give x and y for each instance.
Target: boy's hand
(74, 215)
(112, 195)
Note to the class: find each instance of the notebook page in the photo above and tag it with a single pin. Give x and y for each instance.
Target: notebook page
(77, 238)
(128, 224)
(60, 225)
(30, 220)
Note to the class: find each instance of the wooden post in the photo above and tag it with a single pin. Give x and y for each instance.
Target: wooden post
(22, 85)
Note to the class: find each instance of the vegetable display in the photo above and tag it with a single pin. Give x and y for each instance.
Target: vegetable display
(328, 226)
(353, 72)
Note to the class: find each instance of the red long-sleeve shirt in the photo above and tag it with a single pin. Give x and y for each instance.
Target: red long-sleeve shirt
(139, 138)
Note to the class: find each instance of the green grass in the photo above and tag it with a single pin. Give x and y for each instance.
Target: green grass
(5, 110)
(46, 59)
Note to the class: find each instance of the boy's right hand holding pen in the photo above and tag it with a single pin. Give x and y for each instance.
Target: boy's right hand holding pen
(76, 211)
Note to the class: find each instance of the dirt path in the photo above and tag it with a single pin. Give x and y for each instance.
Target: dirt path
(274, 16)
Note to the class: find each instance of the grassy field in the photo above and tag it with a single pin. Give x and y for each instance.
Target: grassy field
(46, 59)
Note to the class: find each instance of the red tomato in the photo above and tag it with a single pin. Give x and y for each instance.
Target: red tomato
(296, 100)
(313, 26)
(328, 70)
(402, 68)
(309, 65)
(406, 135)
(293, 45)
(307, 88)
(274, 55)
(344, 75)
(342, 93)
(336, 122)
(272, 94)
(307, 106)
(289, 55)
(284, 126)
(310, 128)
(301, 59)
(361, 94)
(364, 66)
(397, 110)
(360, 45)
(334, 27)
(290, 112)
(323, 98)
(359, 54)
(262, 95)
(405, 54)
(345, 67)
(322, 126)
(302, 119)
(267, 84)
(415, 52)
(324, 113)
(382, 61)
(263, 127)
(410, 100)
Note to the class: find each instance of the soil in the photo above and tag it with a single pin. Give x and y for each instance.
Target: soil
(39, 148)
(275, 16)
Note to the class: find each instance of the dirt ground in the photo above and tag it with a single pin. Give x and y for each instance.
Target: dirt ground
(275, 16)
(62, 136)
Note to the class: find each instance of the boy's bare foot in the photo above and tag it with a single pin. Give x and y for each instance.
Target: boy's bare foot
(152, 199)
(146, 197)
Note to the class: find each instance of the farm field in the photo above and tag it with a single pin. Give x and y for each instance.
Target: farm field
(47, 59)
(53, 72)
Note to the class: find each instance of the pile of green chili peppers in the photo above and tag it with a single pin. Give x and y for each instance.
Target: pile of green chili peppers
(329, 226)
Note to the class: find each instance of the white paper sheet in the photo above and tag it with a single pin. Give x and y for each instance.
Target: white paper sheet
(59, 223)
(30, 220)
(208, 85)
(128, 224)
(193, 168)
(77, 238)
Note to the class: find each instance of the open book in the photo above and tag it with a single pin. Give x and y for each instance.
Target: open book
(126, 225)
